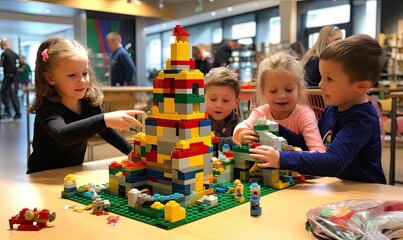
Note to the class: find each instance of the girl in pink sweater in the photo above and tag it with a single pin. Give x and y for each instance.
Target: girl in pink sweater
(281, 87)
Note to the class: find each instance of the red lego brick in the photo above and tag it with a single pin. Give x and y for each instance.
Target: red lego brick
(193, 150)
(229, 154)
(115, 165)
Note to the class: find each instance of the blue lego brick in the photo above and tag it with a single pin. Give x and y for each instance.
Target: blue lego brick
(151, 122)
(206, 122)
(156, 174)
(135, 178)
(74, 189)
(184, 189)
(188, 175)
(172, 71)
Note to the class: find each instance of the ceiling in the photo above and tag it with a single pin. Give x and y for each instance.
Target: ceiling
(35, 18)
(44, 18)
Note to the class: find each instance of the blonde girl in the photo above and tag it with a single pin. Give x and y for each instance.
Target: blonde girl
(281, 87)
(68, 108)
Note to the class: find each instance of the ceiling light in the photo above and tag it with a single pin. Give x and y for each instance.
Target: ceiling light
(161, 4)
(47, 10)
(213, 13)
(229, 9)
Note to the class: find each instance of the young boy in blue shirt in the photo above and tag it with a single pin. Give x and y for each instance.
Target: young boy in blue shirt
(349, 125)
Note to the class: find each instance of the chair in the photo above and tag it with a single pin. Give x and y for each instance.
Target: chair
(399, 123)
(386, 106)
(316, 102)
(113, 101)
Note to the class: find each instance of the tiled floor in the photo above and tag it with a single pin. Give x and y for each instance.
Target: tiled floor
(13, 148)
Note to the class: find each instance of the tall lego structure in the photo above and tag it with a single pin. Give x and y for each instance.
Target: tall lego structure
(176, 145)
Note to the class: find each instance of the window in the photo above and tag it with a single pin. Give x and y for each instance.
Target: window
(244, 30)
(154, 48)
(275, 30)
(328, 16)
(217, 35)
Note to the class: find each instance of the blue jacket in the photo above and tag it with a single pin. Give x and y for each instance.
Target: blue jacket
(122, 68)
(354, 146)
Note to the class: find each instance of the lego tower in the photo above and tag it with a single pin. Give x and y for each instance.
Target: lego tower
(177, 141)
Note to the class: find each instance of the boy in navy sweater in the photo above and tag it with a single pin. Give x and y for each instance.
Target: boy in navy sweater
(349, 125)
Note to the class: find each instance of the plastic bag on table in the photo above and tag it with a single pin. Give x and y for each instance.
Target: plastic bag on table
(356, 219)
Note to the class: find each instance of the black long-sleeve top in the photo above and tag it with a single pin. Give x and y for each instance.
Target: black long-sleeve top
(60, 135)
(312, 74)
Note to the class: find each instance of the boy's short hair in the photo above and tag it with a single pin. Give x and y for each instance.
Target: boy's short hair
(222, 76)
(361, 56)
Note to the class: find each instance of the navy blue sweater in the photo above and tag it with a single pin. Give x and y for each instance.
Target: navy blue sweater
(354, 152)
(122, 68)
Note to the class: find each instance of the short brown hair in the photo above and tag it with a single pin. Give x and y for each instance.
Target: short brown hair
(360, 55)
(222, 76)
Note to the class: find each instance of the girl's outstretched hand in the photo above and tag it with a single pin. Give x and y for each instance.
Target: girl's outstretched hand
(268, 155)
(247, 136)
(122, 120)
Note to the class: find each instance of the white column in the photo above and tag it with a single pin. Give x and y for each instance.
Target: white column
(288, 15)
(140, 51)
(80, 26)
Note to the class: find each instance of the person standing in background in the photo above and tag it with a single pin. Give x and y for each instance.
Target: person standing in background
(122, 66)
(297, 50)
(9, 86)
(223, 54)
(327, 35)
(25, 72)
(202, 57)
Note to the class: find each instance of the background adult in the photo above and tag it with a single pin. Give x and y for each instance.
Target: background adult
(122, 66)
(9, 86)
(327, 34)
(297, 50)
(25, 72)
(203, 60)
(223, 54)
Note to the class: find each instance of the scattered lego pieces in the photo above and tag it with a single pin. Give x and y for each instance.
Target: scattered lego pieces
(32, 219)
(113, 220)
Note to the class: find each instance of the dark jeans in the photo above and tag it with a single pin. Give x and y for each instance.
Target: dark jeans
(9, 90)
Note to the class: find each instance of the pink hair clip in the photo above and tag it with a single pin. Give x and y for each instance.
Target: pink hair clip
(45, 55)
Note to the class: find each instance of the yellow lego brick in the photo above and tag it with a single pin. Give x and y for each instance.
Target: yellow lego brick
(160, 131)
(281, 185)
(158, 90)
(168, 64)
(240, 199)
(196, 160)
(168, 175)
(243, 176)
(196, 107)
(180, 51)
(176, 116)
(194, 132)
(199, 181)
(174, 212)
(182, 144)
(157, 205)
(161, 158)
(140, 137)
(151, 140)
(169, 105)
(69, 178)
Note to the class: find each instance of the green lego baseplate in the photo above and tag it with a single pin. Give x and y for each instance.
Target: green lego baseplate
(226, 201)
